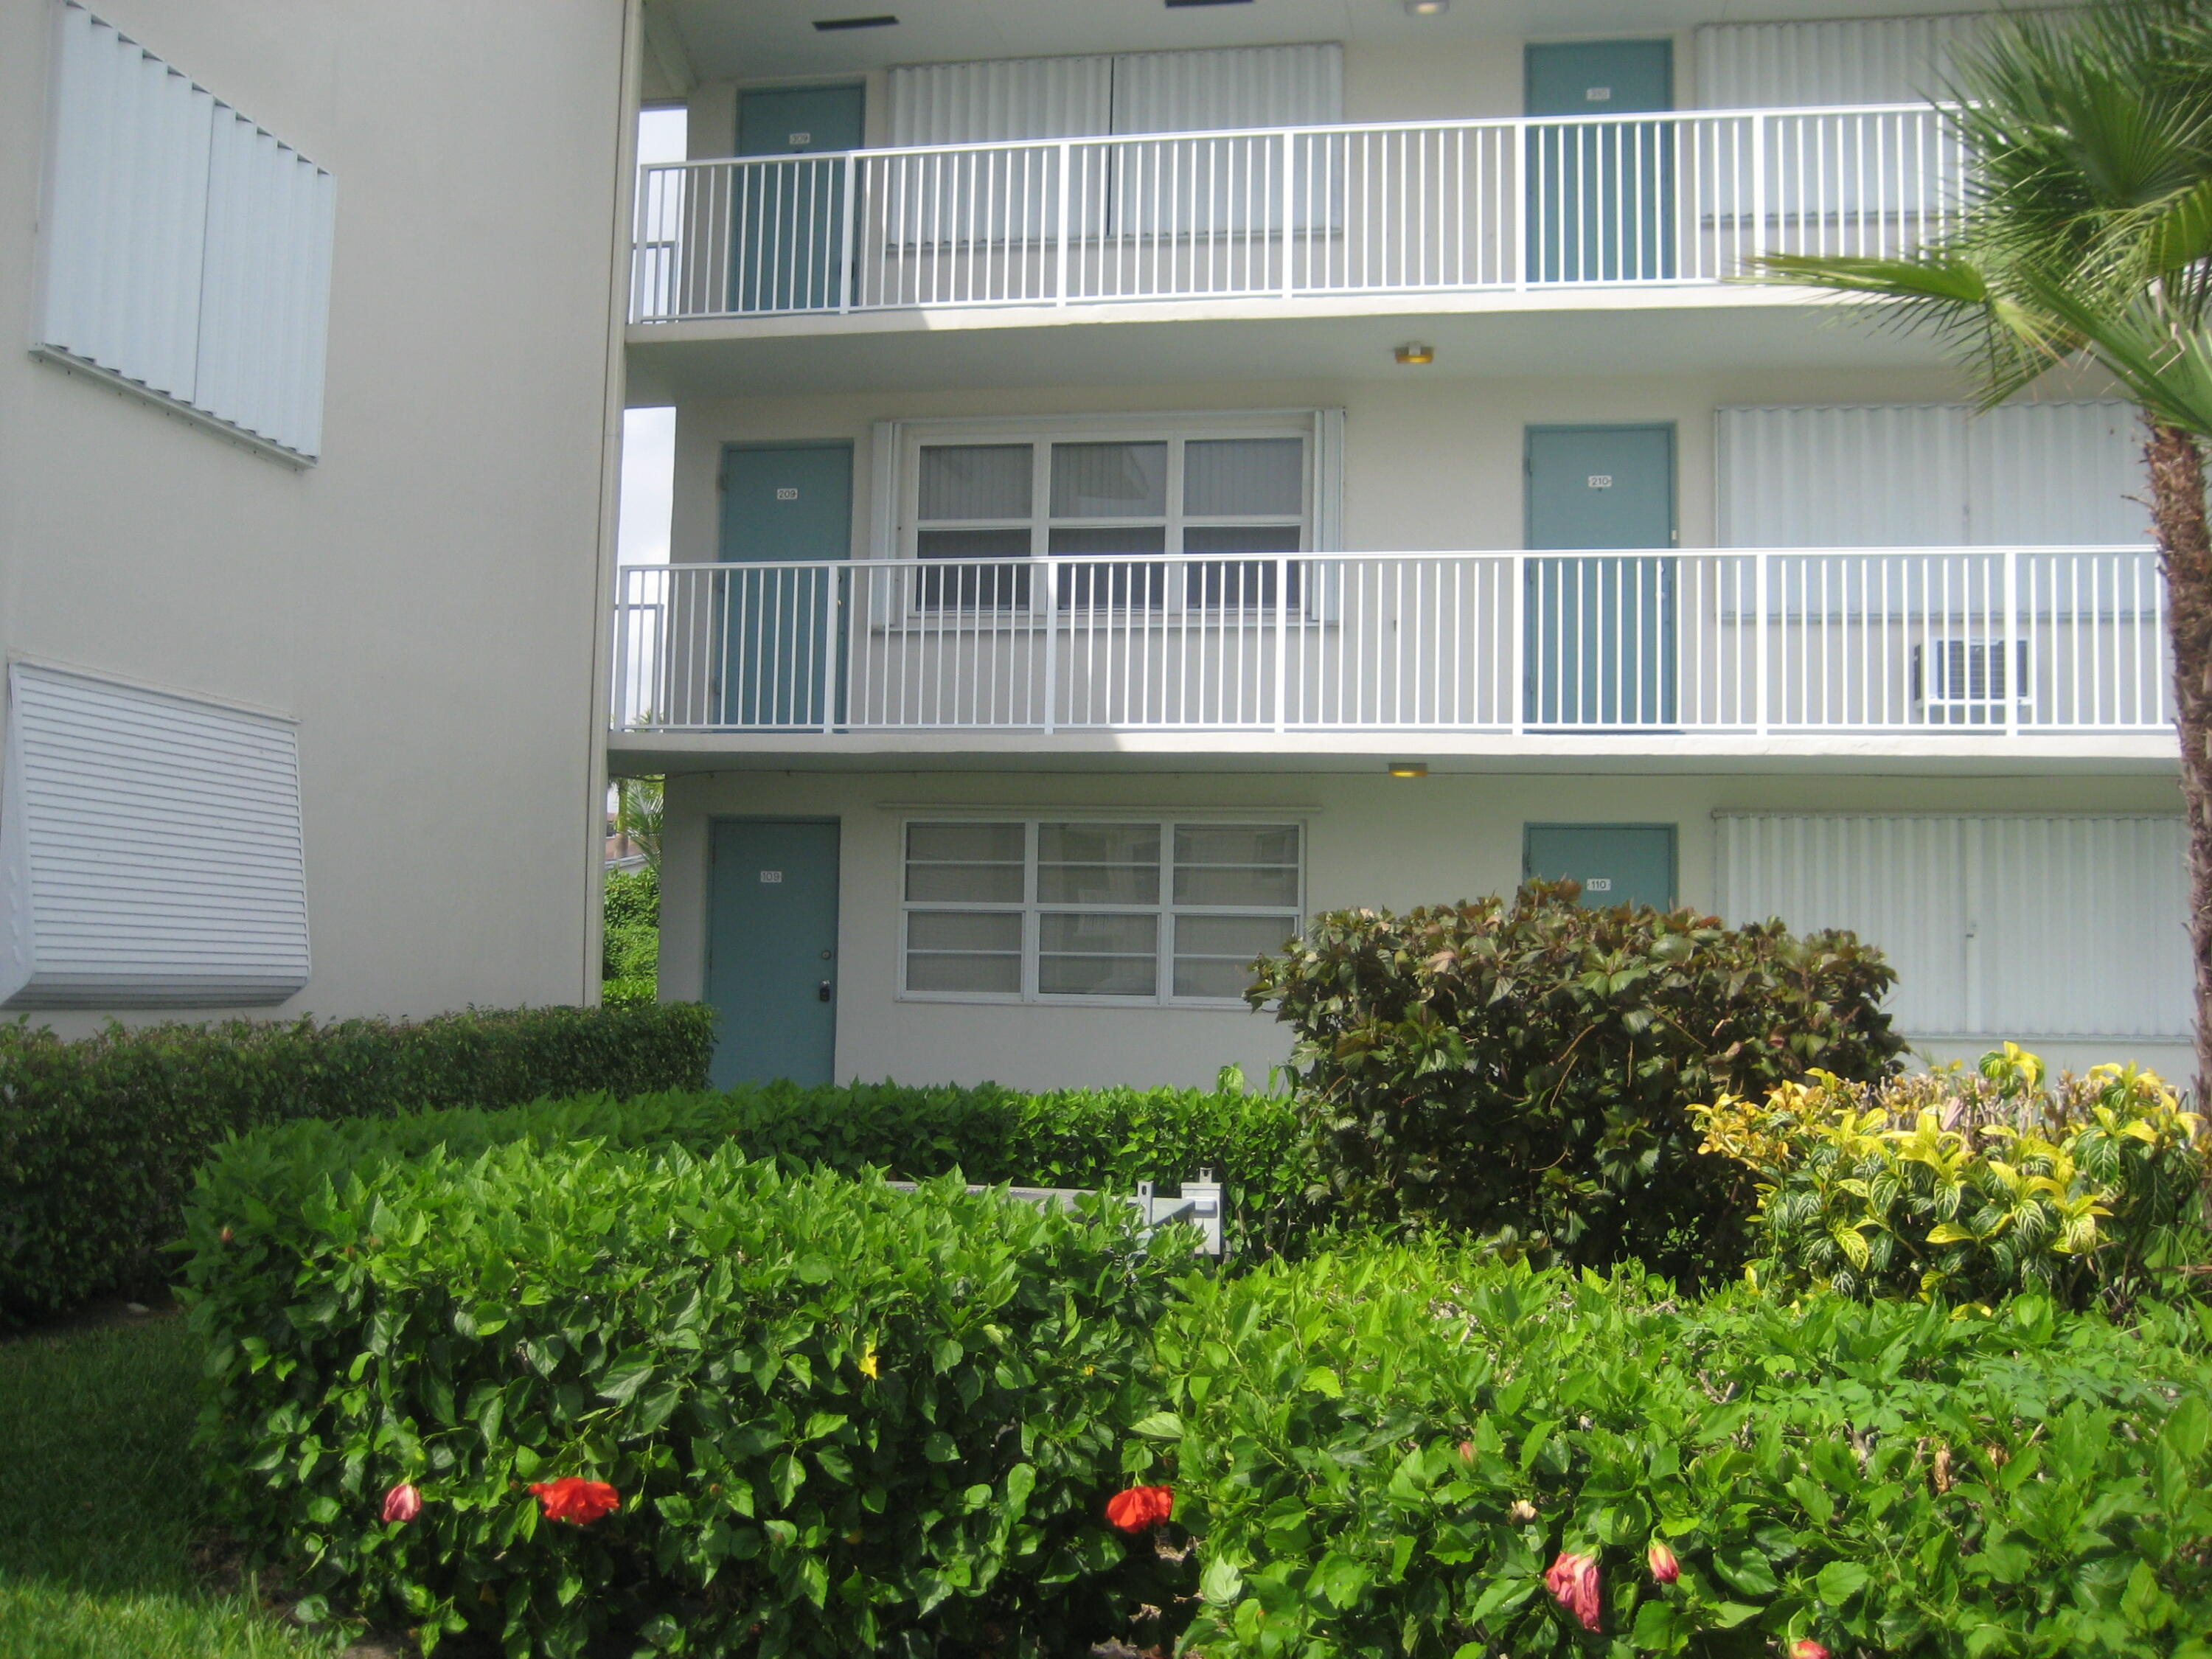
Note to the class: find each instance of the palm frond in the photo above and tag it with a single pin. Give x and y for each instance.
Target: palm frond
(2165, 368)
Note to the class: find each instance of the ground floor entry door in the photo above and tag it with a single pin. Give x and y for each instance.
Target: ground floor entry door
(1615, 863)
(1599, 651)
(779, 656)
(772, 950)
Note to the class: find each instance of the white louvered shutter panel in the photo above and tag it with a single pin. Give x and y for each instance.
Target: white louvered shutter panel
(264, 313)
(1846, 476)
(126, 208)
(2054, 475)
(1874, 60)
(1929, 475)
(150, 849)
(1234, 86)
(1898, 882)
(185, 251)
(2000, 926)
(1010, 98)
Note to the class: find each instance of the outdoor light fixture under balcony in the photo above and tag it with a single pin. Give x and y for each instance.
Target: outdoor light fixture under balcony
(1409, 769)
(1427, 7)
(1414, 355)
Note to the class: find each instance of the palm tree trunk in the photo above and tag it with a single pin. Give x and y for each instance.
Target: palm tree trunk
(2184, 545)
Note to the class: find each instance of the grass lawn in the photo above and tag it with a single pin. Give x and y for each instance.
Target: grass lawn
(99, 1505)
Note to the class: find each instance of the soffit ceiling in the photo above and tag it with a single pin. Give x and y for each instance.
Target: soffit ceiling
(751, 39)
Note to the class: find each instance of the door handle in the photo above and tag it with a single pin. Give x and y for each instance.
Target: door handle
(823, 993)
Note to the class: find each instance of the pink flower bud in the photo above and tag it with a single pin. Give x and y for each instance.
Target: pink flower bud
(1572, 1580)
(1665, 1569)
(1806, 1648)
(403, 1502)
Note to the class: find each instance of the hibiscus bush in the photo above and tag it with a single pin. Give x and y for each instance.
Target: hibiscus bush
(687, 1401)
(1420, 1452)
(1974, 1186)
(1523, 1070)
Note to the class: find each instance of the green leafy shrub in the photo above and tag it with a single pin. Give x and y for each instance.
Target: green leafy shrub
(839, 1419)
(1105, 1139)
(1384, 1452)
(1973, 1187)
(630, 939)
(99, 1139)
(1525, 1071)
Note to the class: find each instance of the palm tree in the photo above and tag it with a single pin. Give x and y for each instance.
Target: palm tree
(639, 814)
(2087, 231)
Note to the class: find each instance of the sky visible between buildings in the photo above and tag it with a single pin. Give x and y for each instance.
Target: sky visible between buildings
(649, 434)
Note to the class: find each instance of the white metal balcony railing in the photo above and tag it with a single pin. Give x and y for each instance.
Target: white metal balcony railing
(1428, 207)
(2001, 641)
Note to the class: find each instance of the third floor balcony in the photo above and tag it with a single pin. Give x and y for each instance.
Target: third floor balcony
(1335, 219)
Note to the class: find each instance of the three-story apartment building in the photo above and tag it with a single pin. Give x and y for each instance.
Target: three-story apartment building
(1148, 473)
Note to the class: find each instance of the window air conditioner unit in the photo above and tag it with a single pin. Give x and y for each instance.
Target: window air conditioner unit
(1965, 682)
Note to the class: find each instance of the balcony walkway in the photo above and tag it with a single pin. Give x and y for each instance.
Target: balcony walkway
(1340, 214)
(1953, 650)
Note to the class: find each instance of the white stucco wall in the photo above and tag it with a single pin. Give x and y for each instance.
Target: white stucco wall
(425, 601)
(1372, 839)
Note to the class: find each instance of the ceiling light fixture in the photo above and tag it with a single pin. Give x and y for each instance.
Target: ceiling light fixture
(1409, 769)
(831, 25)
(1413, 354)
(1428, 8)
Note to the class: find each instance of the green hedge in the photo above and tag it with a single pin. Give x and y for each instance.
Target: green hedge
(1386, 1452)
(1523, 1070)
(837, 1418)
(629, 940)
(1106, 1138)
(99, 1137)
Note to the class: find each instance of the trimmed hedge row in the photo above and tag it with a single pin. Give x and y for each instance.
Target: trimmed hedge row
(829, 1418)
(1419, 1453)
(1106, 1139)
(99, 1137)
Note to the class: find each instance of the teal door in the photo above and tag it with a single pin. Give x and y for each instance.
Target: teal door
(1616, 863)
(779, 650)
(1601, 194)
(772, 950)
(788, 220)
(1599, 650)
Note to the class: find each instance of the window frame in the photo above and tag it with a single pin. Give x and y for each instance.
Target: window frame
(1031, 909)
(1038, 599)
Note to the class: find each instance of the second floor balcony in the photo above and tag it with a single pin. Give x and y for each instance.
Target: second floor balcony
(1340, 216)
(1939, 651)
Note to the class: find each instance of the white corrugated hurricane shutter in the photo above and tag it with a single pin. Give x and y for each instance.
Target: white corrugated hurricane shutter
(149, 848)
(1009, 98)
(186, 252)
(2000, 926)
(1868, 60)
(1929, 475)
(1201, 91)
(1234, 86)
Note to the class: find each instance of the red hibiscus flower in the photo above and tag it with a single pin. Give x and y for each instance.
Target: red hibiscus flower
(403, 1502)
(1806, 1648)
(1665, 1569)
(576, 1501)
(1572, 1580)
(1139, 1509)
